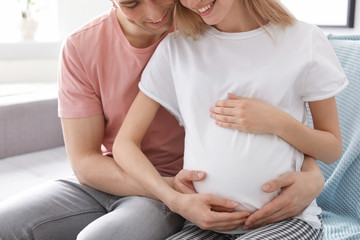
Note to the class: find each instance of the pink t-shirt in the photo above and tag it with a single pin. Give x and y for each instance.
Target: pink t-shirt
(99, 73)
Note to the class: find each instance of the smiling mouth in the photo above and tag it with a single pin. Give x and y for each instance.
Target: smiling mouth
(160, 20)
(204, 9)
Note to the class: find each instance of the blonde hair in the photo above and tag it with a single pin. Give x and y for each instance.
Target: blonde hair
(191, 24)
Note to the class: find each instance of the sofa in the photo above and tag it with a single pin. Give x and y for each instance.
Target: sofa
(31, 128)
(31, 143)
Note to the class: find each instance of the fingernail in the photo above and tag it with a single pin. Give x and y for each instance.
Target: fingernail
(266, 187)
(248, 223)
(234, 203)
(200, 174)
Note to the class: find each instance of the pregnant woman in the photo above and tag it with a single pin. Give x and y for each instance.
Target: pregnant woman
(237, 77)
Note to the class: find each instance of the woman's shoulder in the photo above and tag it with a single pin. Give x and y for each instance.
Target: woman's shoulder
(177, 36)
(301, 28)
(299, 31)
(176, 40)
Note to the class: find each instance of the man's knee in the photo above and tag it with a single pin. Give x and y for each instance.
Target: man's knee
(150, 210)
(134, 218)
(13, 226)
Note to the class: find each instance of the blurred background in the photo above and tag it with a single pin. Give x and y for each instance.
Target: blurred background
(34, 59)
(28, 59)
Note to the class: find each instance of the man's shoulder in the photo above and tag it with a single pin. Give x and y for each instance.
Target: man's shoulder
(94, 26)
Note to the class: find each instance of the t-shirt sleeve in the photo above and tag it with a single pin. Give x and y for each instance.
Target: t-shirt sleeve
(157, 80)
(77, 97)
(325, 77)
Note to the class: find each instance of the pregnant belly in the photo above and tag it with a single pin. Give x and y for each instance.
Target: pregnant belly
(238, 172)
(243, 187)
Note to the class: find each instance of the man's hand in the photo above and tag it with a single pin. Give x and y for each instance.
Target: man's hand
(197, 208)
(183, 181)
(298, 190)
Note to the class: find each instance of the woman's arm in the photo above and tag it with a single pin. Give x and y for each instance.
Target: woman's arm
(194, 207)
(323, 142)
(255, 116)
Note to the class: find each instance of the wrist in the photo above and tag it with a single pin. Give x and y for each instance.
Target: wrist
(170, 181)
(172, 199)
(281, 124)
(312, 169)
(309, 164)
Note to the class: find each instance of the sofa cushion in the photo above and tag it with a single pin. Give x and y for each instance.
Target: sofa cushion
(340, 198)
(25, 171)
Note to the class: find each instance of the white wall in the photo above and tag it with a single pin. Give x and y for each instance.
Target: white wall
(355, 30)
(37, 62)
(72, 14)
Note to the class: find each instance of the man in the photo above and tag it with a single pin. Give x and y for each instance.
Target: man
(100, 68)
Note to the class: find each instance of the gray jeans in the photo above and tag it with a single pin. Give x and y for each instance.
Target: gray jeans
(65, 209)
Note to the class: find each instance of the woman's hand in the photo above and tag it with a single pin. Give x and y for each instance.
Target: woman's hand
(249, 115)
(298, 190)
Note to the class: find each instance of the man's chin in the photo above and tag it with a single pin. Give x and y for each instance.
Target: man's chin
(160, 30)
(154, 30)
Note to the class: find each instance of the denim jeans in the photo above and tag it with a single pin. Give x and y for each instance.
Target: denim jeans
(67, 210)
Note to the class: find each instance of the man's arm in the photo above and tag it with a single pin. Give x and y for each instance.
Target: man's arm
(83, 138)
(298, 190)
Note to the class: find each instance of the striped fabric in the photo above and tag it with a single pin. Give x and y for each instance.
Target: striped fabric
(340, 199)
(292, 229)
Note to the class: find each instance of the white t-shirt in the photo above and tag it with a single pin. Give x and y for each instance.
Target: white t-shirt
(187, 77)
